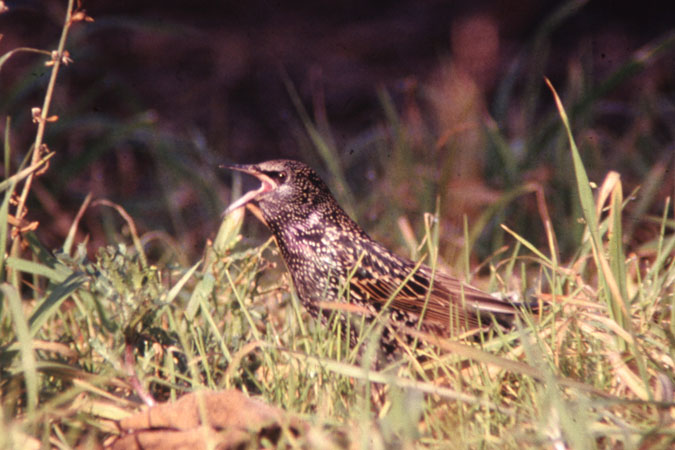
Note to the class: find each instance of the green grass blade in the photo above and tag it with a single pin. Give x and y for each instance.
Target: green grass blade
(35, 268)
(51, 304)
(28, 362)
(4, 228)
(199, 296)
(613, 296)
(228, 233)
(7, 146)
(176, 288)
(529, 246)
(617, 257)
(583, 183)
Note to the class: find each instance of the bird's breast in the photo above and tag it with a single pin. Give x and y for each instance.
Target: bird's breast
(310, 258)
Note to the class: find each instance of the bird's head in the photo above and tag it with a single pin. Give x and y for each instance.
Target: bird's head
(287, 187)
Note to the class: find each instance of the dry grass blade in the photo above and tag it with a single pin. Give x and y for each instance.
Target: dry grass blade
(68, 243)
(26, 172)
(503, 363)
(132, 227)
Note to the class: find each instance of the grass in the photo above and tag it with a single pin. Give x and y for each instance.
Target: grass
(593, 370)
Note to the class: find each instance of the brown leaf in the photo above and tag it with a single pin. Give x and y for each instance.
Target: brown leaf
(223, 420)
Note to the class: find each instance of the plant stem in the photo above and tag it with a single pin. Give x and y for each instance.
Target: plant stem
(42, 121)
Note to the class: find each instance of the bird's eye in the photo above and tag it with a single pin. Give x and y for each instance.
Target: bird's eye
(278, 176)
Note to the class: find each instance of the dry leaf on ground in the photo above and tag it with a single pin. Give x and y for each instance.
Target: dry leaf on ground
(222, 420)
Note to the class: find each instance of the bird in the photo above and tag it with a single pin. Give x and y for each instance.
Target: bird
(331, 259)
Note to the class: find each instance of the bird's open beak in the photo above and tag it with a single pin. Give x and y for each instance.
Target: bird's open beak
(267, 184)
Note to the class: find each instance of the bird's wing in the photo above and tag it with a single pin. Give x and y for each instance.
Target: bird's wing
(410, 297)
(472, 298)
(451, 303)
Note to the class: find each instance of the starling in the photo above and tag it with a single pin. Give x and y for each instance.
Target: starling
(331, 259)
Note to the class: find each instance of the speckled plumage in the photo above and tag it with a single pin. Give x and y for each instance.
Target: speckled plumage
(325, 251)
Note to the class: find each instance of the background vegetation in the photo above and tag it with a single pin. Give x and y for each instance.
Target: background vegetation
(113, 291)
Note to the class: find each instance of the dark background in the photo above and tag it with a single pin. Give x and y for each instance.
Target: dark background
(160, 92)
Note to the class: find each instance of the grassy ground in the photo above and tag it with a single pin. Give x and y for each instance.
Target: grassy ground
(86, 335)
